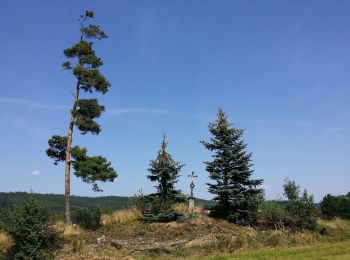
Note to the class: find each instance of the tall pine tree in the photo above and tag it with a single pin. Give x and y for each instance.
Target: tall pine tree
(165, 171)
(231, 169)
(84, 65)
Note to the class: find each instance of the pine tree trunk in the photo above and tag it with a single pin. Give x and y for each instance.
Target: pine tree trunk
(68, 160)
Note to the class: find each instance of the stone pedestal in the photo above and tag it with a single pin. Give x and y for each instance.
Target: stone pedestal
(191, 205)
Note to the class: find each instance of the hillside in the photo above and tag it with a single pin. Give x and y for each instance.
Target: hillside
(55, 202)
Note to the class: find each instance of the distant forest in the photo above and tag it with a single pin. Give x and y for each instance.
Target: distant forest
(55, 202)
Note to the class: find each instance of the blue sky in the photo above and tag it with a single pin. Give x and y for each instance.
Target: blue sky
(280, 69)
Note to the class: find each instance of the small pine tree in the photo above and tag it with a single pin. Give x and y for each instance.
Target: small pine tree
(236, 193)
(165, 171)
(30, 226)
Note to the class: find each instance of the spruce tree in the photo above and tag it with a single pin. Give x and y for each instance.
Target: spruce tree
(84, 65)
(165, 171)
(231, 169)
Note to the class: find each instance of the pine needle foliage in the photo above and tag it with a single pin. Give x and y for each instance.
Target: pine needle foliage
(165, 172)
(230, 171)
(85, 65)
(31, 228)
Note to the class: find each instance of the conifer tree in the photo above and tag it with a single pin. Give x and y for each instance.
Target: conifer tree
(231, 169)
(84, 65)
(165, 171)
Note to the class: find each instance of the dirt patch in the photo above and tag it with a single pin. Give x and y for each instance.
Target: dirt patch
(138, 238)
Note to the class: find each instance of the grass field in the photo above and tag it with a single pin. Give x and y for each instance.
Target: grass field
(340, 250)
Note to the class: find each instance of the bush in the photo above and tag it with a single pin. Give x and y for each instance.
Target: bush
(30, 226)
(77, 244)
(302, 213)
(274, 214)
(151, 204)
(296, 213)
(187, 217)
(2, 219)
(168, 216)
(164, 216)
(90, 220)
(244, 212)
(155, 209)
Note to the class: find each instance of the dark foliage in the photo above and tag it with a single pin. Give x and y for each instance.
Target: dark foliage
(151, 203)
(162, 216)
(157, 207)
(273, 214)
(296, 213)
(30, 226)
(3, 217)
(165, 172)
(90, 169)
(236, 193)
(335, 206)
(84, 65)
(54, 202)
(87, 219)
(57, 148)
(86, 111)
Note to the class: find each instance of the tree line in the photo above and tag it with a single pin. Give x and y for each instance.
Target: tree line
(336, 206)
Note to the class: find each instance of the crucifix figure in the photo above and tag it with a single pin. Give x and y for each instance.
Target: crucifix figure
(191, 199)
(192, 183)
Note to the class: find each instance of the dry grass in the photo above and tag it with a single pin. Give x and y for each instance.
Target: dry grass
(207, 237)
(247, 239)
(334, 230)
(90, 252)
(69, 232)
(5, 242)
(121, 216)
(183, 208)
(72, 231)
(336, 223)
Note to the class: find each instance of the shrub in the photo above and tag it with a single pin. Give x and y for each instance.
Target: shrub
(296, 213)
(302, 212)
(90, 220)
(163, 216)
(77, 244)
(5, 243)
(30, 226)
(151, 204)
(187, 217)
(168, 216)
(273, 214)
(244, 212)
(155, 209)
(2, 219)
